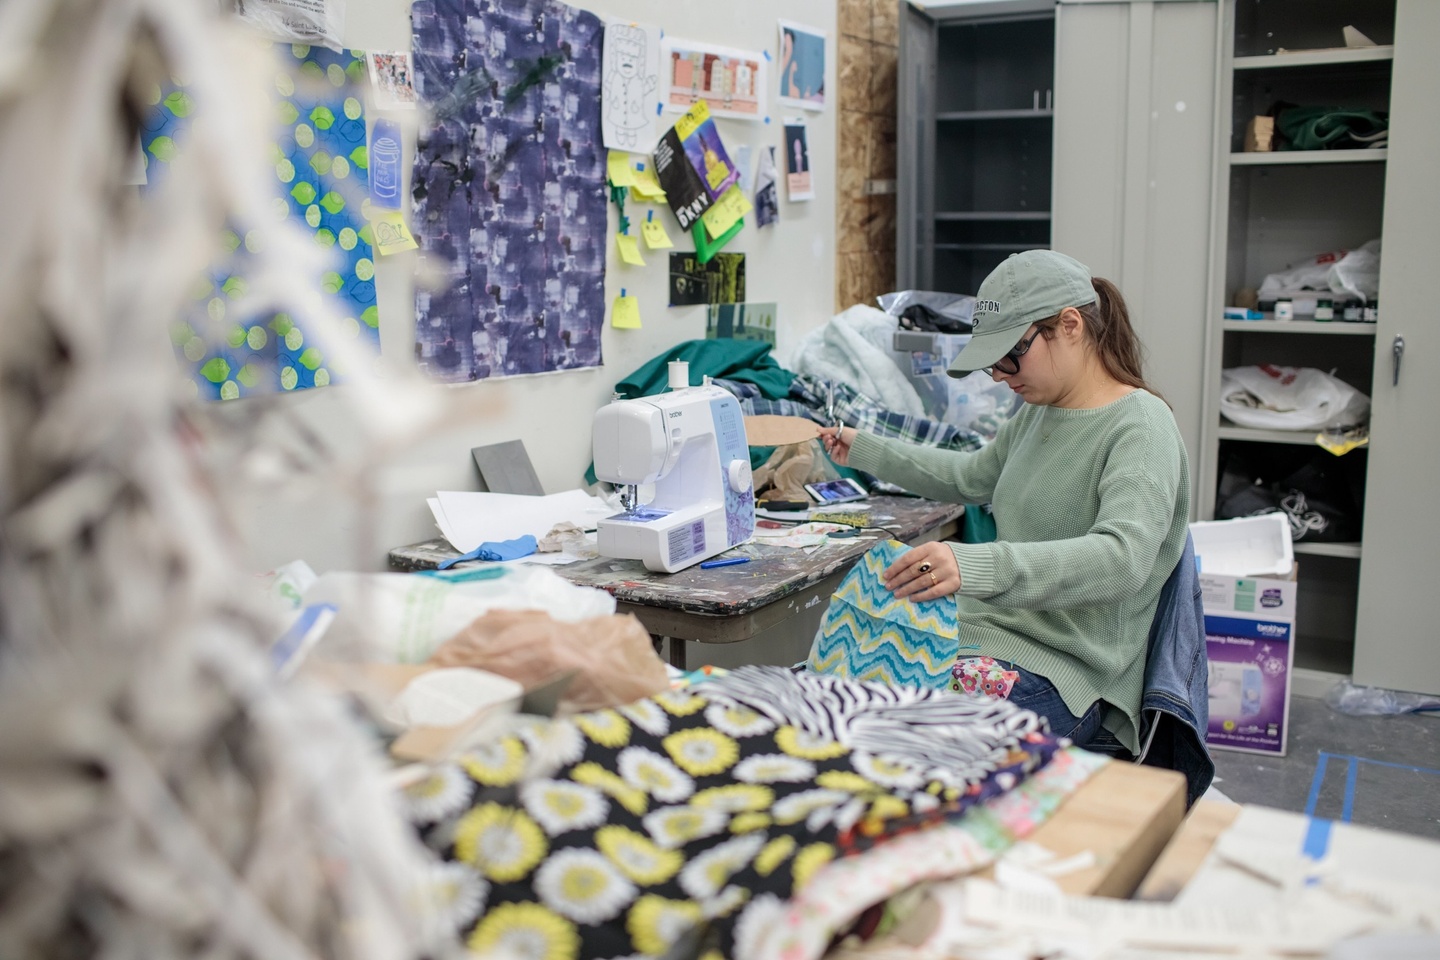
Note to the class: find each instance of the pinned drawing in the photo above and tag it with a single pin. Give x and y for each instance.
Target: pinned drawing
(385, 164)
(797, 161)
(802, 66)
(509, 188)
(767, 189)
(732, 83)
(719, 280)
(631, 81)
(390, 80)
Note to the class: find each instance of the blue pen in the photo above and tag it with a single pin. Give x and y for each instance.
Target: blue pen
(727, 562)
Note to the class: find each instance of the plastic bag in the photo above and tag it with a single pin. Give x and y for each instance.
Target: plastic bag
(929, 310)
(613, 657)
(1348, 698)
(402, 617)
(296, 21)
(1311, 275)
(1357, 273)
(1289, 398)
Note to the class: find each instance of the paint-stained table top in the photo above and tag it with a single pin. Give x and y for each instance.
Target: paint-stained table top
(773, 573)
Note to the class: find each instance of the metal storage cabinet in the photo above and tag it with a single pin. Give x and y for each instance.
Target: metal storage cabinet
(973, 139)
(1125, 144)
(1360, 607)
(1397, 642)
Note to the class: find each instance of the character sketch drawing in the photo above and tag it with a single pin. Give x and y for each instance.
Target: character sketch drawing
(627, 86)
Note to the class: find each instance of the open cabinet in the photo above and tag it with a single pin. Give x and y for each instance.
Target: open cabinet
(975, 139)
(1360, 596)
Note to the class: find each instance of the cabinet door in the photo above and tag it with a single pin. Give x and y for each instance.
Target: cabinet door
(1134, 155)
(915, 151)
(1397, 644)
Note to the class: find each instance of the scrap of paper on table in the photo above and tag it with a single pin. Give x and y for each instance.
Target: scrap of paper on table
(726, 212)
(469, 519)
(655, 236)
(625, 313)
(619, 170)
(391, 234)
(629, 250)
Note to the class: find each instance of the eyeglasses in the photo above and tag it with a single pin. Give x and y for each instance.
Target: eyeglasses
(1010, 363)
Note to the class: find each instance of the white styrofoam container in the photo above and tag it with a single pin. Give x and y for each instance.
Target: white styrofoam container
(1245, 547)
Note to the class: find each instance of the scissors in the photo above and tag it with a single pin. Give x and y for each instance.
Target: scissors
(830, 404)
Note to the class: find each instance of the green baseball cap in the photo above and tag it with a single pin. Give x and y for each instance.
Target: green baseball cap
(1029, 286)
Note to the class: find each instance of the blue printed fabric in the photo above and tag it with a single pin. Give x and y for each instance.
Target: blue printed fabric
(869, 634)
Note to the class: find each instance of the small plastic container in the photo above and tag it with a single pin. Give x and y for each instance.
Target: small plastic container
(1371, 313)
(1353, 311)
(1324, 309)
(1284, 309)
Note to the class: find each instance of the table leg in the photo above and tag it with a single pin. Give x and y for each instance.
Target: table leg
(677, 653)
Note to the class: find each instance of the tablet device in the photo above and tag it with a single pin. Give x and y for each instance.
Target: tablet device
(836, 491)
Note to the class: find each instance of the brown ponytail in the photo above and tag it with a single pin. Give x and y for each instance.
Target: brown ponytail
(1107, 324)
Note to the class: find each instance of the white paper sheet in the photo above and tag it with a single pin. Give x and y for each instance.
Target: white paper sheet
(469, 519)
(630, 91)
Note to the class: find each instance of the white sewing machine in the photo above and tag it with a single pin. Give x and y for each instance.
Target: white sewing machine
(690, 443)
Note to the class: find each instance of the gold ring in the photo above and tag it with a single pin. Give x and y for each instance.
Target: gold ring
(933, 581)
(925, 567)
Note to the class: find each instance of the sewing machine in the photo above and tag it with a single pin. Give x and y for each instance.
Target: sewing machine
(690, 443)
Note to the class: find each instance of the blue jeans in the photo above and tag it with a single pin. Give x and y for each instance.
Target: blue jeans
(1034, 692)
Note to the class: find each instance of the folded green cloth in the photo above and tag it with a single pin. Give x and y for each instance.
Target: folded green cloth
(747, 361)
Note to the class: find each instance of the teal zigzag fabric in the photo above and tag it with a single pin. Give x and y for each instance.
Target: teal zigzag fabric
(867, 634)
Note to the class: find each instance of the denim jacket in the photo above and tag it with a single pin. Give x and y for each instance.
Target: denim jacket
(1174, 710)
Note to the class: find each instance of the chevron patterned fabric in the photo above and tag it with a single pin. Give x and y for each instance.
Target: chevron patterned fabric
(867, 634)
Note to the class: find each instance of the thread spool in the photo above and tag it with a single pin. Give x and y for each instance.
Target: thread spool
(679, 371)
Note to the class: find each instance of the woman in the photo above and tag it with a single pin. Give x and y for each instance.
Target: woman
(1091, 493)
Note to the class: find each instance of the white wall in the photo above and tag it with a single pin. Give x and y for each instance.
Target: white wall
(792, 263)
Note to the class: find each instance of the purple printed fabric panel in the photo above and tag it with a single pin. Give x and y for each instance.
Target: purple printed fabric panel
(509, 188)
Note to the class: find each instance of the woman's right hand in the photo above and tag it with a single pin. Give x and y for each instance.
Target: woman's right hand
(837, 442)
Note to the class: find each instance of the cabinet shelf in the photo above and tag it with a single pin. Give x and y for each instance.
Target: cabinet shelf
(1280, 158)
(1300, 326)
(972, 115)
(1315, 58)
(994, 215)
(1347, 551)
(1002, 247)
(1304, 438)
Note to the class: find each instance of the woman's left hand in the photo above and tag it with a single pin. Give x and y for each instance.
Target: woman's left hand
(925, 573)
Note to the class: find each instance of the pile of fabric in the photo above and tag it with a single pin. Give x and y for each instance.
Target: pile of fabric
(759, 814)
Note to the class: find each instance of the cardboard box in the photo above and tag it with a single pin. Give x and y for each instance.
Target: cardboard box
(1250, 662)
(1260, 135)
(1249, 630)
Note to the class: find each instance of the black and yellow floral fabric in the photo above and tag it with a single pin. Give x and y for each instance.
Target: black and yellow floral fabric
(614, 833)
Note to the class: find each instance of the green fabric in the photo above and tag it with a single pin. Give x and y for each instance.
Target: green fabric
(979, 525)
(1091, 508)
(1328, 128)
(747, 361)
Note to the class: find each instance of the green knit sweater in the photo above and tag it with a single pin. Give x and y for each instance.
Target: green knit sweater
(1091, 508)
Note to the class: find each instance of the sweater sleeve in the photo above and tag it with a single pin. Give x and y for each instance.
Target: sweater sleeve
(1109, 563)
(950, 476)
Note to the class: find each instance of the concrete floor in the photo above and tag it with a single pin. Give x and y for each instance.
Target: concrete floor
(1374, 771)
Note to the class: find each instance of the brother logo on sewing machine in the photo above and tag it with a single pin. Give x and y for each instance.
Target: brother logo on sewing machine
(690, 443)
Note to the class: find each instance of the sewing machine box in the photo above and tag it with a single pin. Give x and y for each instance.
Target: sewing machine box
(1249, 630)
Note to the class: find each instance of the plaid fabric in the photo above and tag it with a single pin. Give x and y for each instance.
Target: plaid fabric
(807, 399)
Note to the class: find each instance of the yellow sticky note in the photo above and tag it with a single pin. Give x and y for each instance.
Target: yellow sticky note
(625, 314)
(647, 186)
(698, 113)
(619, 169)
(391, 234)
(629, 250)
(655, 236)
(723, 213)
